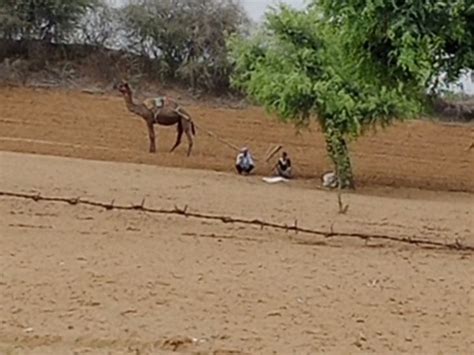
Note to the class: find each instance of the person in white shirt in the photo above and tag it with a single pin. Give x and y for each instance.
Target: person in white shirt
(244, 162)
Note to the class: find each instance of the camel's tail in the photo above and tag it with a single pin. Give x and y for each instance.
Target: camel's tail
(193, 128)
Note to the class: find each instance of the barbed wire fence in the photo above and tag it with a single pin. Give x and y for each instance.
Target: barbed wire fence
(185, 212)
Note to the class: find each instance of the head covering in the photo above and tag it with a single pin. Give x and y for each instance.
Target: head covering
(244, 149)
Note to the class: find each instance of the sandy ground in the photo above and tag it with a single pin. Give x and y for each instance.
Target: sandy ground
(77, 279)
(412, 154)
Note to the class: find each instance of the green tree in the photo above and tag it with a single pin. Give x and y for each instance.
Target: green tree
(353, 64)
(188, 37)
(414, 41)
(44, 20)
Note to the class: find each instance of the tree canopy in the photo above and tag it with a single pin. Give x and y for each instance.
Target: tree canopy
(413, 41)
(353, 64)
(178, 40)
(188, 36)
(41, 19)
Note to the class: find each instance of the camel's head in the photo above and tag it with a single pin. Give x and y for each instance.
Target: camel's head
(123, 87)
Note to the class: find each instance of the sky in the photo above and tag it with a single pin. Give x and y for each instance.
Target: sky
(255, 8)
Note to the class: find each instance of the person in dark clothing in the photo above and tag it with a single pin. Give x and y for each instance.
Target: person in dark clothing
(283, 166)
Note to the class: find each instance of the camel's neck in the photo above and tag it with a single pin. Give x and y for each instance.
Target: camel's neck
(139, 110)
(132, 106)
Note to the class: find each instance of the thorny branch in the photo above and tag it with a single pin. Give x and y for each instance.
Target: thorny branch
(457, 245)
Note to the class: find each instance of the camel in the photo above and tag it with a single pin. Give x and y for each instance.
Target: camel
(162, 111)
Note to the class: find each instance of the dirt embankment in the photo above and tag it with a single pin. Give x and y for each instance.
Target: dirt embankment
(412, 154)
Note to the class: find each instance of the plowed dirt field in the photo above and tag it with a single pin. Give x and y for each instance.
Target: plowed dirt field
(412, 154)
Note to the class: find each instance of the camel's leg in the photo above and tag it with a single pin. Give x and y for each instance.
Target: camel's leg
(187, 130)
(178, 137)
(151, 135)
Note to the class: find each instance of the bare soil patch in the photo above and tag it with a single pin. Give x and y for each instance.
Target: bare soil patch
(77, 279)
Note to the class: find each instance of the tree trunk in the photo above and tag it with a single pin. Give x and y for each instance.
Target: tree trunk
(339, 153)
